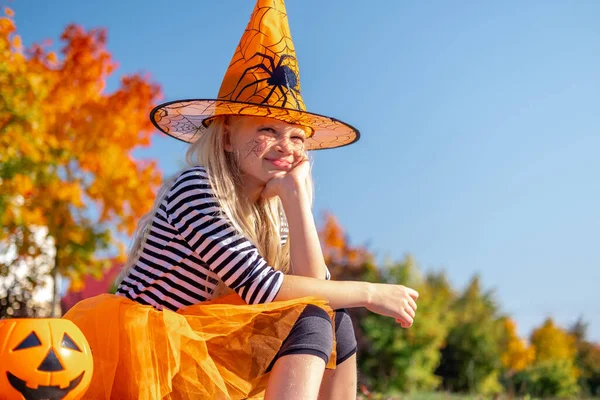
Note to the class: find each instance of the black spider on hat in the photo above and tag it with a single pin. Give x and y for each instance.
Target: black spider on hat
(281, 77)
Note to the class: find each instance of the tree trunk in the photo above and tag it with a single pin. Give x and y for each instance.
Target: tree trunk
(55, 306)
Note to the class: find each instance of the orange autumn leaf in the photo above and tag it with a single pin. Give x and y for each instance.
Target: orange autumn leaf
(16, 42)
(333, 234)
(6, 26)
(51, 58)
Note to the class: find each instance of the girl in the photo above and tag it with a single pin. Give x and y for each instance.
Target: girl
(225, 294)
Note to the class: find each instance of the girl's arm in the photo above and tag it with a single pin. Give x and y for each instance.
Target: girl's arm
(306, 255)
(394, 301)
(193, 211)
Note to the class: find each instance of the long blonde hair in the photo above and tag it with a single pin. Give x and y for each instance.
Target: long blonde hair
(259, 222)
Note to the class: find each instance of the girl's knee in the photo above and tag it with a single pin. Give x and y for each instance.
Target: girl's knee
(314, 311)
(311, 334)
(345, 337)
(314, 329)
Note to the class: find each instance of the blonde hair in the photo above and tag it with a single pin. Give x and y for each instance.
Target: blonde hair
(260, 222)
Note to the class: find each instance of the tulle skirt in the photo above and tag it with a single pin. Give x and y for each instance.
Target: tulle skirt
(218, 349)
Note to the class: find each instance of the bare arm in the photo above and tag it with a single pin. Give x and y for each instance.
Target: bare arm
(305, 249)
(340, 294)
(394, 301)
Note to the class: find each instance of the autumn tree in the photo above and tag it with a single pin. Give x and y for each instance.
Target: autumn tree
(344, 261)
(552, 343)
(553, 372)
(470, 359)
(516, 353)
(587, 359)
(65, 150)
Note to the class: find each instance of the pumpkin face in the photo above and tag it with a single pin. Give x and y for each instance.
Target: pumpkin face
(43, 359)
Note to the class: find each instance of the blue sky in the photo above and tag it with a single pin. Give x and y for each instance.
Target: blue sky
(479, 122)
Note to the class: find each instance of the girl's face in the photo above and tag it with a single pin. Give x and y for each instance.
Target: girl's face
(265, 147)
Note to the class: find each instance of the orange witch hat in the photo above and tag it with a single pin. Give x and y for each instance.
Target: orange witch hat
(262, 80)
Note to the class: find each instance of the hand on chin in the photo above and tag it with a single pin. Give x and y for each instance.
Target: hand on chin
(286, 180)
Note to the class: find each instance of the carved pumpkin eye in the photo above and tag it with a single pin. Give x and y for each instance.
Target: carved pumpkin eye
(30, 341)
(69, 343)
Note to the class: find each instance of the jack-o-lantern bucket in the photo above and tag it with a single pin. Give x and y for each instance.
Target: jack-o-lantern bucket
(43, 358)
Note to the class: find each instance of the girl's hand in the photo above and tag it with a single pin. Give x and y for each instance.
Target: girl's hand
(290, 181)
(394, 301)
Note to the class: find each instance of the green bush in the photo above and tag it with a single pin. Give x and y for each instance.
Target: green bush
(550, 378)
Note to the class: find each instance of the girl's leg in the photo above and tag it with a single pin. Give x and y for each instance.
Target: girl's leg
(295, 377)
(297, 369)
(341, 382)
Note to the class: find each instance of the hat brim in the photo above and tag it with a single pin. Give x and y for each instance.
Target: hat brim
(186, 119)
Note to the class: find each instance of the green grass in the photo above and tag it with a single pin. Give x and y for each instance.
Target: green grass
(439, 396)
(421, 396)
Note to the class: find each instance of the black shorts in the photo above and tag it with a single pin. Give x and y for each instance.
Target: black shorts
(312, 334)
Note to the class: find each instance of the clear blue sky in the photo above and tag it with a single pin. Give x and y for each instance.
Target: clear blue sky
(480, 125)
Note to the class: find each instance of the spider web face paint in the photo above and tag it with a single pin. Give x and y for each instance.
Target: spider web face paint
(260, 145)
(257, 146)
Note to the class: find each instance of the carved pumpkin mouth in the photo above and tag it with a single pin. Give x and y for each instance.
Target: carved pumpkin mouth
(42, 392)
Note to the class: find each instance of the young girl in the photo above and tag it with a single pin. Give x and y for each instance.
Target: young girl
(225, 294)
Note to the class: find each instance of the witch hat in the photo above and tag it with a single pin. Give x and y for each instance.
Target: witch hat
(262, 80)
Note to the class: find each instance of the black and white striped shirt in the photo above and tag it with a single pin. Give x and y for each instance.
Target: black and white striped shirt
(189, 245)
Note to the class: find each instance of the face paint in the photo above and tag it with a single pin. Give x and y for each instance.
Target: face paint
(256, 146)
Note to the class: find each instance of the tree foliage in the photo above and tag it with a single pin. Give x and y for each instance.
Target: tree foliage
(516, 353)
(587, 359)
(65, 149)
(471, 356)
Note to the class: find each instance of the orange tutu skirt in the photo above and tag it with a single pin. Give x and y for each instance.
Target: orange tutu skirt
(219, 349)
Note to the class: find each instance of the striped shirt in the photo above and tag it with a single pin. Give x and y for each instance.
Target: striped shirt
(190, 244)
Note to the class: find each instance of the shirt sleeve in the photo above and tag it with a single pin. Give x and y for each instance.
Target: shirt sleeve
(193, 210)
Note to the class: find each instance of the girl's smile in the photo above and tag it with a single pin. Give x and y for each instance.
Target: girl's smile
(280, 163)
